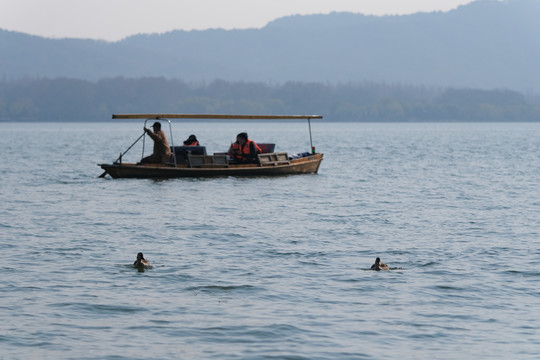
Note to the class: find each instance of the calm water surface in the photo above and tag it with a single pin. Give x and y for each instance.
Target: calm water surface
(274, 268)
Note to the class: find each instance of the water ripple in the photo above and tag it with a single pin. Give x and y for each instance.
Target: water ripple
(274, 268)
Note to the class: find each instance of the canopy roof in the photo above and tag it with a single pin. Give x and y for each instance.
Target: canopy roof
(214, 116)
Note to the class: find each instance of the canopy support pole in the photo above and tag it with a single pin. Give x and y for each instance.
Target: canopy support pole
(310, 138)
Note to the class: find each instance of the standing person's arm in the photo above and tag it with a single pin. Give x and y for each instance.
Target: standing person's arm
(152, 135)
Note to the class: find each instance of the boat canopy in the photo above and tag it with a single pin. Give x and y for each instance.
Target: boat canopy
(215, 116)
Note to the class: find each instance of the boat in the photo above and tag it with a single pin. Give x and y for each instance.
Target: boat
(193, 161)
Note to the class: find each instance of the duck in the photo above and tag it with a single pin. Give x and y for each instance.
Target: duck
(141, 261)
(379, 265)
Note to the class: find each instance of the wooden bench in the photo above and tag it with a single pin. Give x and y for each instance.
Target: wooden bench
(208, 160)
(281, 158)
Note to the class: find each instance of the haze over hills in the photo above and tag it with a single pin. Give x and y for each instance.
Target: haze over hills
(486, 44)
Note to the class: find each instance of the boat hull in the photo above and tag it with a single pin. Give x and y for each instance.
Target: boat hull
(306, 165)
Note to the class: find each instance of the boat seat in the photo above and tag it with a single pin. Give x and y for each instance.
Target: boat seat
(182, 152)
(208, 160)
(267, 148)
(281, 158)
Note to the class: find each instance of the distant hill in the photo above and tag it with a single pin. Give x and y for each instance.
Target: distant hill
(64, 99)
(487, 44)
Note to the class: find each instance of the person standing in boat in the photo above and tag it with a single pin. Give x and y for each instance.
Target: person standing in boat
(191, 141)
(244, 150)
(162, 151)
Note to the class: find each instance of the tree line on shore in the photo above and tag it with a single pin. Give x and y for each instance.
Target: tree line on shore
(65, 99)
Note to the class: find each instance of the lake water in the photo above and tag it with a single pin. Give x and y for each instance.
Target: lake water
(274, 268)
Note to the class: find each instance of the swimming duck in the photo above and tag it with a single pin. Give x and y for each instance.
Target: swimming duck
(141, 261)
(379, 265)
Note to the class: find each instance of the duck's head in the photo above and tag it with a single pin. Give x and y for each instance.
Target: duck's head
(377, 261)
(140, 256)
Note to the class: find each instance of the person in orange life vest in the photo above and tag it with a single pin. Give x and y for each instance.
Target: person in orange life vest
(191, 141)
(162, 152)
(244, 150)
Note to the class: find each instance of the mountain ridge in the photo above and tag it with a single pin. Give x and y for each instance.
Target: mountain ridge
(486, 44)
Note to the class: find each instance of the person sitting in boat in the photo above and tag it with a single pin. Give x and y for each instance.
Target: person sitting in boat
(191, 141)
(244, 150)
(162, 152)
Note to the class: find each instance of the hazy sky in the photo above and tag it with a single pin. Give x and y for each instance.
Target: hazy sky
(115, 19)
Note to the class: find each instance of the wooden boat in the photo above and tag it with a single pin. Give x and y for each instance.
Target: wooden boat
(193, 161)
